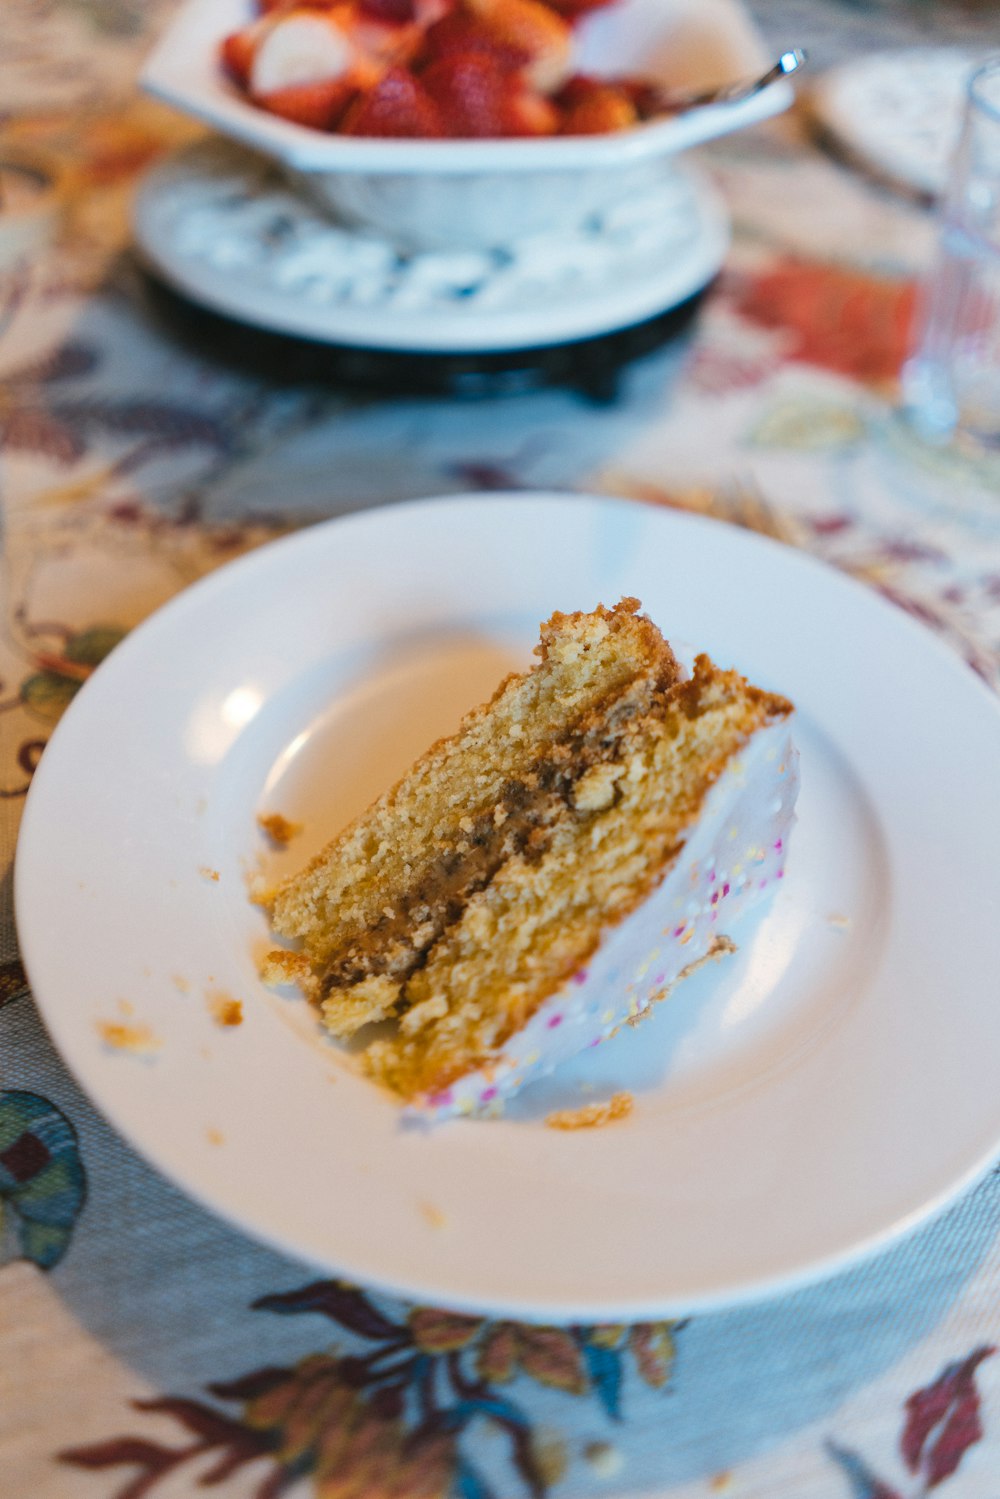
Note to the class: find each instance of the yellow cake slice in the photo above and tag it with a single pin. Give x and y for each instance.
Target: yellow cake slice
(492, 903)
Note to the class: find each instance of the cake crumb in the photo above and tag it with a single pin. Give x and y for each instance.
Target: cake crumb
(226, 1011)
(283, 967)
(207, 873)
(604, 1459)
(139, 1040)
(721, 1483)
(260, 890)
(838, 920)
(126, 1007)
(278, 828)
(215, 1136)
(180, 983)
(592, 1115)
(432, 1215)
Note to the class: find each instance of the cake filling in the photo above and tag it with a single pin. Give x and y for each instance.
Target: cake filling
(521, 824)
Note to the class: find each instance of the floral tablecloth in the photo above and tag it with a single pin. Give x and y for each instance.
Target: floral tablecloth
(145, 1347)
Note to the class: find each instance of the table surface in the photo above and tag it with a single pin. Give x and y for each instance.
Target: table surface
(147, 1348)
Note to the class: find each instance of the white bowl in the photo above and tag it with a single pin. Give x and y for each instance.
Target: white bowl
(428, 193)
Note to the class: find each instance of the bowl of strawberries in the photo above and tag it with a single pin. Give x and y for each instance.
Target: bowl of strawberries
(462, 123)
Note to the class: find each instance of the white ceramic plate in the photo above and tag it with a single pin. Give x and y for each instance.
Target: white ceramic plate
(821, 1092)
(899, 112)
(214, 222)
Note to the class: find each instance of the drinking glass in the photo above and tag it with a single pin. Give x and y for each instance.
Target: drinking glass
(951, 383)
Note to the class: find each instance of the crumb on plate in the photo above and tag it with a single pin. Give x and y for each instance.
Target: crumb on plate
(208, 873)
(180, 983)
(215, 1136)
(592, 1115)
(278, 828)
(839, 920)
(225, 1009)
(139, 1040)
(432, 1215)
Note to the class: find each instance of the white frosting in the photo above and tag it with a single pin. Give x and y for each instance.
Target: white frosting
(733, 858)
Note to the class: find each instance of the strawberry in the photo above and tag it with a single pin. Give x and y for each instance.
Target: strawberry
(590, 107)
(398, 105)
(238, 50)
(236, 54)
(469, 92)
(542, 39)
(395, 12)
(276, 7)
(648, 99)
(385, 43)
(318, 105)
(303, 46)
(529, 113)
(459, 32)
(578, 86)
(570, 10)
(477, 99)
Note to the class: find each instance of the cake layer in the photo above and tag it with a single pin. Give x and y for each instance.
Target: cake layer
(366, 908)
(566, 781)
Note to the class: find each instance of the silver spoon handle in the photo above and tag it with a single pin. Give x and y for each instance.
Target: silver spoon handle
(732, 93)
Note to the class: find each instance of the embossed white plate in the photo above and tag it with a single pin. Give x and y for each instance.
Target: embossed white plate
(795, 1107)
(899, 112)
(224, 227)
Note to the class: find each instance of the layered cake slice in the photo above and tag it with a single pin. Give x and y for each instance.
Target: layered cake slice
(548, 872)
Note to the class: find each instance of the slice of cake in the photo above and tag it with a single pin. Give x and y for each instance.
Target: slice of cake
(548, 872)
